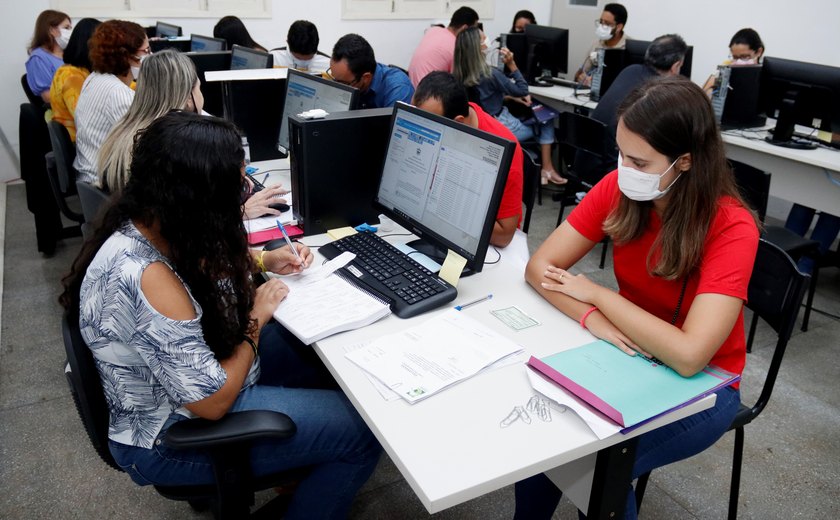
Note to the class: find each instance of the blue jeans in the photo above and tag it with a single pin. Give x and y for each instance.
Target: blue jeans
(544, 132)
(331, 436)
(537, 497)
(825, 231)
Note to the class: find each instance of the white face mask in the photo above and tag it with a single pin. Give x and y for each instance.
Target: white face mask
(743, 61)
(641, 186)
(135, 70)
(603, 32)
(63, 37)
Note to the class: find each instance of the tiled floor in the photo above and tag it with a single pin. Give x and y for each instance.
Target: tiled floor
(49, 470)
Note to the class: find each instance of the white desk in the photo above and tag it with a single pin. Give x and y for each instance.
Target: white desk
(451, 447)
(797, 175)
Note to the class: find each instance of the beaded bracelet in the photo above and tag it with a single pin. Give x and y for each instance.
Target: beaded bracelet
(586, 315)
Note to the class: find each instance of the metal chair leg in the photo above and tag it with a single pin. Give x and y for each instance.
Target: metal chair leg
(735, 484)
(641, 485)
(811, 290)
(751, 336)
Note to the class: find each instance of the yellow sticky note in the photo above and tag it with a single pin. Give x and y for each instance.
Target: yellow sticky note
(824, 136)
(452, 267)
(341, 232)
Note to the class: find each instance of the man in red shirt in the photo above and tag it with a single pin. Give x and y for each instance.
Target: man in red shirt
(439, 93)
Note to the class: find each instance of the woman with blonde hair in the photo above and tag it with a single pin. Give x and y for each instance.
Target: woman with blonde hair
(167, 81)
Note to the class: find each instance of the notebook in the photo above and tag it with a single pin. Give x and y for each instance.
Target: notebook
(630, 390)
(323, 302)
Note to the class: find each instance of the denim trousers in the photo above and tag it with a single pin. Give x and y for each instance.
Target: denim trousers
(537, 497)
(331, 436)
(544, 132)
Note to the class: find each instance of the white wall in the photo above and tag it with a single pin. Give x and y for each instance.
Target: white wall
(803, 30)
(393, 41)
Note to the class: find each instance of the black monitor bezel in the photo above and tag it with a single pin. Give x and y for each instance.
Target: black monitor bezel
(475, 262)
(247, 50)
(157, 29)
(354, 98)
(210, 38)
(552, 36)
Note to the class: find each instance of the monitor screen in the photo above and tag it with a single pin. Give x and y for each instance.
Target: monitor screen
(305, 92)
(443, 181)
(548, 51)
(799, 93)
(245, 58)
(167, 30)
(634, 52)
(200, 43)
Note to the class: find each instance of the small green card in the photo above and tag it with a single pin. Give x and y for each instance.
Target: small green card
(514, 318)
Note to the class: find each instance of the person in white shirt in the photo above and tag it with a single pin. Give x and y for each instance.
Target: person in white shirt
(116, 49)
(302, 51)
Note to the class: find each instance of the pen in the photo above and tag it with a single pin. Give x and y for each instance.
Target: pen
(288, 240)
(474, 302)
(266, 179)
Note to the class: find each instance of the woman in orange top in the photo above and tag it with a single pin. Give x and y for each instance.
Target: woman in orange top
(67, 82)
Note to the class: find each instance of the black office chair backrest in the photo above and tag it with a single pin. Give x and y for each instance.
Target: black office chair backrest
(65, 154)
(92, 199)
(530, 185)
(588, 137)
(754, 185)
(775, 293)
(37, 101)
(86, 388)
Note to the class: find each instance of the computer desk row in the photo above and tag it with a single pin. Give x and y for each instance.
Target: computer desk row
(807, 177)
(452, 447)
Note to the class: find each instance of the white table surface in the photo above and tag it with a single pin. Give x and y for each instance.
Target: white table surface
(451, 447)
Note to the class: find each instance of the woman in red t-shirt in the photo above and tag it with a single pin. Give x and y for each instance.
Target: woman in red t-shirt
(684, 249)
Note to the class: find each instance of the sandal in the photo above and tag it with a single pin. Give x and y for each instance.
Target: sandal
(552, 177)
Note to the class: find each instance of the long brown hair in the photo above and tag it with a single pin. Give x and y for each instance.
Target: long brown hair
(46, 21)
(675, 117)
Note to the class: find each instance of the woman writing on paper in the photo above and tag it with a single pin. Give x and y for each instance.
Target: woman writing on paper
(165, 301)
(685, 245)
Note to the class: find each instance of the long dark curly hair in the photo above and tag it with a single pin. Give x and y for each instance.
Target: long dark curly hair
(186, 178)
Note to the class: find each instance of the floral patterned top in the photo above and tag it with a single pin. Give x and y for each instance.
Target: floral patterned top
(64, 94)
(150, 365)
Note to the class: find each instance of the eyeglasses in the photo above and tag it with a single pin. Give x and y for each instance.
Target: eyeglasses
(601, 21)
(348, 83)
(147, 51)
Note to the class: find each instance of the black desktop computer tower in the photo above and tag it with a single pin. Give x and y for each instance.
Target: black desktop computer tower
(256, 107)
(336, 163)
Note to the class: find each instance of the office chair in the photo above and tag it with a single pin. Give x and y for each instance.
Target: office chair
(34, 145)
(227, 441)
(530, 185)
(60, 171)
(37, 101)
(92, 200)
(754, 185)
(775, 293)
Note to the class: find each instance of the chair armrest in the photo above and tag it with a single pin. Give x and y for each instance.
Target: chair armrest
(233, 428)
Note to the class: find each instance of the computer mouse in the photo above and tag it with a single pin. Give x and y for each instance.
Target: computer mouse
(277, 243)
(279, 206)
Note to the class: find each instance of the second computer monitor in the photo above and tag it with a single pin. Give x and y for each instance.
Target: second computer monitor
(306, 92)
(246, 58)
(167, 30)
(443, 181)
(200, 43)
(548, 51)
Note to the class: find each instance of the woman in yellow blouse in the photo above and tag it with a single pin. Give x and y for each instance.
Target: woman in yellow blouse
(67, 82)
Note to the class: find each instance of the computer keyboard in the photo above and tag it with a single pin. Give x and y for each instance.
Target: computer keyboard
(410, 288)
(562, 82)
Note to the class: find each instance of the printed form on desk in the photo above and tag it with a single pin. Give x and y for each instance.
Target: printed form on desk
(422, 360)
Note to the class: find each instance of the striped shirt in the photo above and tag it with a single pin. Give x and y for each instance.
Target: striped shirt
(104, 101)
(150, 365)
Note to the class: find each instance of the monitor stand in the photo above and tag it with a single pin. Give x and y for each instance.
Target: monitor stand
(782, 135)
(438, 254)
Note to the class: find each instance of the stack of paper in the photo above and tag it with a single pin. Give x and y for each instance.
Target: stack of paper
(422, 360)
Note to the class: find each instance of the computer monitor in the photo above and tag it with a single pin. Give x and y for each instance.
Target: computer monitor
(167, 30)
(200, 43)
(634, 52)
(796, 92)
(548, 51)
(244, 58)
(210, 61)
(306, 92)
(609, 63)
(735, 97)
(443, 181)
